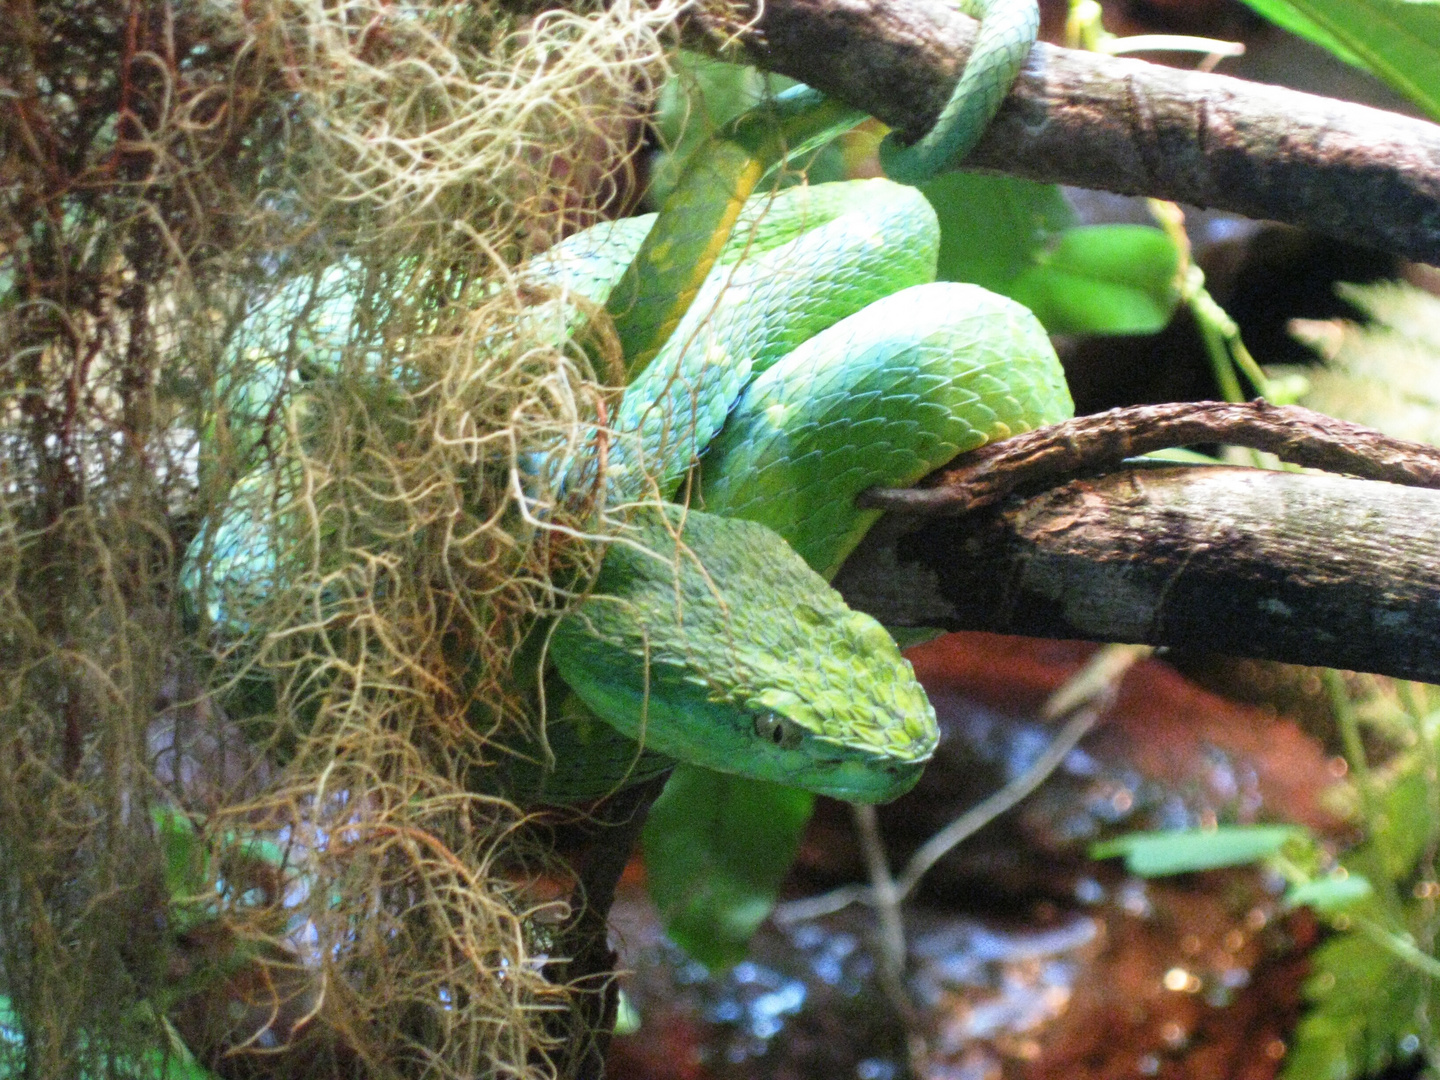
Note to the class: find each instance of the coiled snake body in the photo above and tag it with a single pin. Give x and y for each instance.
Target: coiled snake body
(795, 348)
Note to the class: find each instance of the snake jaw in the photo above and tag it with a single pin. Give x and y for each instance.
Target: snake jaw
(689, 641)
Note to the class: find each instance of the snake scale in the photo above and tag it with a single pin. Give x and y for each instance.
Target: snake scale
(796, 349)
(793, 349)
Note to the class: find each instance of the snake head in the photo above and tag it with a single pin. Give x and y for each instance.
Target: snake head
(710, 640)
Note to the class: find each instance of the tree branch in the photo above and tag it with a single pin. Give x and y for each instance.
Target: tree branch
(1310, 569)
(1102, 441)
(1354, 173)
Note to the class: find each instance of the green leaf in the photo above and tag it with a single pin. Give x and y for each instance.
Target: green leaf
(627, 1017)
(993, 227)
(1103, 279)
(1019, 238)
(1330, 895)
(174, 1062)
(1286, 16)
(701, 97)
(1396, 40)
(1185, 850)
(717, 847)
(186, 864)
(1364, 1003)
(1404, 828)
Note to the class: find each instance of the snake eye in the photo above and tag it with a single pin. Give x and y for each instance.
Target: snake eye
(777, 729)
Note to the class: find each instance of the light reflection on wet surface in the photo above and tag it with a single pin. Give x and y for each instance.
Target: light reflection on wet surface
(983, 984)
(991, 998)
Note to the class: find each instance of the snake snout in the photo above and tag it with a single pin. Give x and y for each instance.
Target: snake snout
(867, 781)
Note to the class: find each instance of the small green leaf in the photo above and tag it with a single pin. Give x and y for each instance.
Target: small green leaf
(253, 846)
(1103, 279)
(1364, 1003)
(1404, 828)
(717, 847)
(186, 861)
(1186, 850)
(175, 1062)
(702, 96)
(1330, 895)
(627, 1017)
(1396, 40)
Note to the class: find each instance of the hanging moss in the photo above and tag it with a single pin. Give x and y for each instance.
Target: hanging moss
(258, 253)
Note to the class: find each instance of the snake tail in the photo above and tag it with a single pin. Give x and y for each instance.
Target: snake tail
(1007, 31)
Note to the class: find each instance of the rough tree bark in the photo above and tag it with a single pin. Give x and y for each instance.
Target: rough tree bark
(1309, 569)
(1103, 441)
(1358, 174)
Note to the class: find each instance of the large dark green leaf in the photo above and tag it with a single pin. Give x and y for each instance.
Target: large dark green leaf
(993, 227)
(1397, 40)
(716, 849)
(1019, 238)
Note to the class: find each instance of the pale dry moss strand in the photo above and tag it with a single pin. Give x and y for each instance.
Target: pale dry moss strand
(168, 168)
(424, 133)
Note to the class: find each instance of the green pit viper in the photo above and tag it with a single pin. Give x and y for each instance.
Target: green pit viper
(793, 350)
(798, 347)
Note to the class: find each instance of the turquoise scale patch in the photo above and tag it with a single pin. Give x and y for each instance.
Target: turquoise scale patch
(880, 398)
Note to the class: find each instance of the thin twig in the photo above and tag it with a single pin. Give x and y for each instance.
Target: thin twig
(1093, 444)
(820, 905)
(1084, 696)
(885, 898)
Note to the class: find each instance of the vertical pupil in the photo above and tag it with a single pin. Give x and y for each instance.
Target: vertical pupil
(772, 727)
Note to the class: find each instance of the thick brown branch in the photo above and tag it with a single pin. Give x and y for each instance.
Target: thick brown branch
(1306, 568)
(1355, 173)
(1090, 444)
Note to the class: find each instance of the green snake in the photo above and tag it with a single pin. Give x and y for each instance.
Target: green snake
(792, 349)
(798, 349)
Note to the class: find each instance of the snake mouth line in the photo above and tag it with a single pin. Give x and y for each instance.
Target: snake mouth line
(857, 780)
